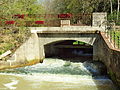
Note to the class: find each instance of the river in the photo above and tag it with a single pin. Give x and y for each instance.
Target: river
(54, 74)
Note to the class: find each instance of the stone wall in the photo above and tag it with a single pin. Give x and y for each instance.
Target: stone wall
(109, 56)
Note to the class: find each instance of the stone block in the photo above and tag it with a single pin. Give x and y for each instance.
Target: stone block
(99, 19)
(65, 23)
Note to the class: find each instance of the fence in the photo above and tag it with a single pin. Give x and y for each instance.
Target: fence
(46, 20)
(114, 36)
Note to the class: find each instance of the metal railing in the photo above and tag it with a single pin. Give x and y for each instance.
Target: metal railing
(113, 35)
(48, 19)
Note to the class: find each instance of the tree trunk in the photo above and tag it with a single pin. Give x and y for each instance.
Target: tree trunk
(118, 9)
(111, 4)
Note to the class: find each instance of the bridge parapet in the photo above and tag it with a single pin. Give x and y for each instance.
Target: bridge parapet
(67, 29)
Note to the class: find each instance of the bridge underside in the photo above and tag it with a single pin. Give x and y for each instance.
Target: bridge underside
(43, 38)
(46, 38)
(69, 51)
(61, 45)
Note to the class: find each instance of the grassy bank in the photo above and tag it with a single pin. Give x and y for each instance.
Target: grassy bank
(11, 38)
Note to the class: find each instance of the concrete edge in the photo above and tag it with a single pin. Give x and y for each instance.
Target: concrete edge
(17, 64)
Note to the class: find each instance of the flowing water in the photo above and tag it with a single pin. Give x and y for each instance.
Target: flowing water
(55, 74)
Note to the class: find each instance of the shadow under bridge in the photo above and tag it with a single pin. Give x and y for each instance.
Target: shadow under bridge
(72, 50)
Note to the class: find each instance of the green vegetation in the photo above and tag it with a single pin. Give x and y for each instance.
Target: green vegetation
(113, 17)
(12, 37)
(115, 36)
(12, 7)
(85, 6)
(78, 43)
(9, 8)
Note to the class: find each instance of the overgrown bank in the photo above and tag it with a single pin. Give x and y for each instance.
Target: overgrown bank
(12, 37)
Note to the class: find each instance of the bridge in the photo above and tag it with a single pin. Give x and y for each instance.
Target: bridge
(43, 38)
(49, 37)
(49, 41)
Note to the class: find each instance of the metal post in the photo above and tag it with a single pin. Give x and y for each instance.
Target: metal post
(110, 35)
(114, 39)
(105, 31)
(114, 26)
(118, 38)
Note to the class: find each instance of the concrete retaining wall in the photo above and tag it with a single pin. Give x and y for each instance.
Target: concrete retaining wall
(29, 50)
(109, 56)
(26, 54)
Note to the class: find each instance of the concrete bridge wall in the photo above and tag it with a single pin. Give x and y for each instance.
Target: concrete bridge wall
(109, 56)
(45, 39)
(34, 48)
(27, 54)
(32, 51)
(28, 50)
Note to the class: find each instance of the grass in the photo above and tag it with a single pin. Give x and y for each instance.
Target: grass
(11, 38)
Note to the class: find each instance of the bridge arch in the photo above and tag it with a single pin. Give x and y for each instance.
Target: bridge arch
(69, 49)
(87, 40)
(47, 40)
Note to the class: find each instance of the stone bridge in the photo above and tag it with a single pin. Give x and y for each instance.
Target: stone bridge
(33, 49)
(47, 37)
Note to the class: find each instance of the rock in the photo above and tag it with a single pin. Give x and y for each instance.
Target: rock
(67, 63)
